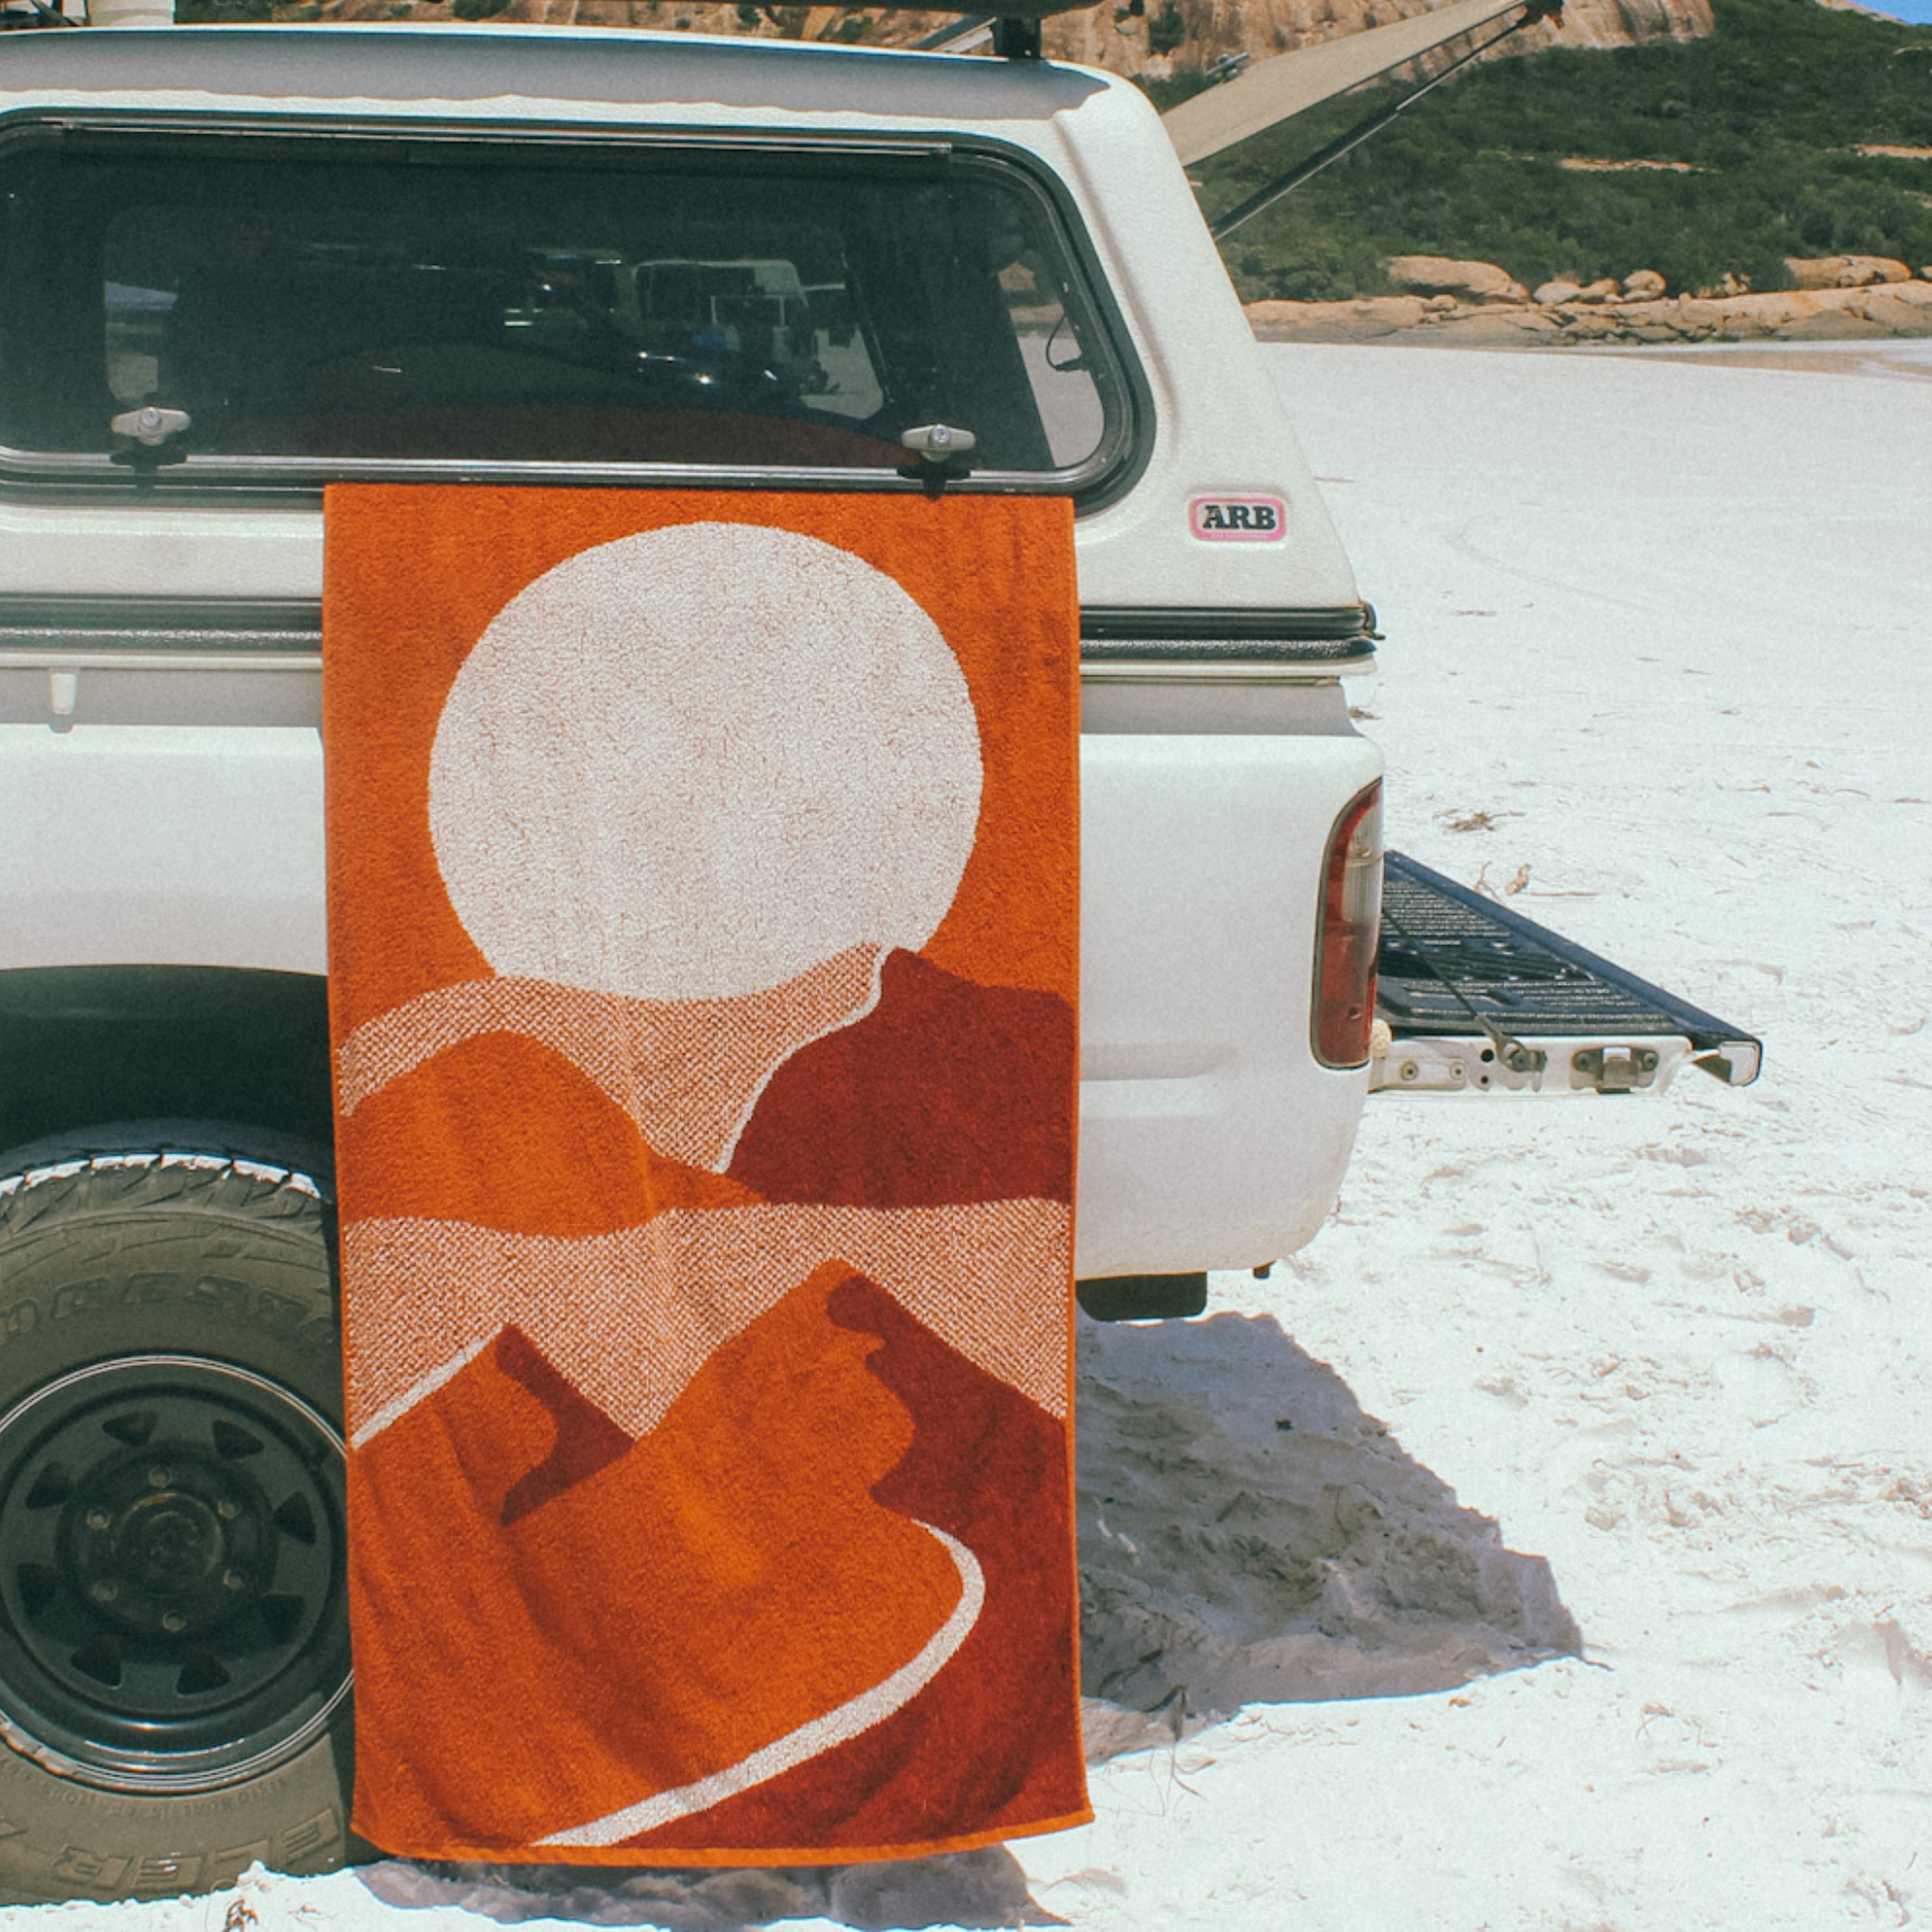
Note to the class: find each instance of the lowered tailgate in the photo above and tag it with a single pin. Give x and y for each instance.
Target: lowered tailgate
(1473, 998)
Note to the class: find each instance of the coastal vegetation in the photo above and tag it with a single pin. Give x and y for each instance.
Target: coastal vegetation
(1709, 160)
(1764, 129)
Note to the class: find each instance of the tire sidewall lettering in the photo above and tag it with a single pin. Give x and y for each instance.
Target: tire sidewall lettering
(289, 1319)
(132, 1874)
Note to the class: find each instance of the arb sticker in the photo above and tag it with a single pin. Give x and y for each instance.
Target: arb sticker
(1238, 519)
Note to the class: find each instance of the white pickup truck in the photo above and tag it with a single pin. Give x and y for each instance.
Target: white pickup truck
(239, 263)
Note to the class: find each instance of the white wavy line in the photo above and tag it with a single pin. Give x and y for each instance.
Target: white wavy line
(811, 1740)
(831, 1027)
(427, 1386)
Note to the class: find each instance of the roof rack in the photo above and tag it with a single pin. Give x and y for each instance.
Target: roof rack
(1013, 30)
(34, 13)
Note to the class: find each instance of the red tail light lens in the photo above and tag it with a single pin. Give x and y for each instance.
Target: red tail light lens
(1344, 948)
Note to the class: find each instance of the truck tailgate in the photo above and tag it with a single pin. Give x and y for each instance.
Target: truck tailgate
(1473, 998)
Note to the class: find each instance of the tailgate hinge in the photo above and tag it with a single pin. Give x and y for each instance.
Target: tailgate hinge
(1613, 1069)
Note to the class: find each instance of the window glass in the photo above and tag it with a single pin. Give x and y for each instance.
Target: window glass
(344, 302)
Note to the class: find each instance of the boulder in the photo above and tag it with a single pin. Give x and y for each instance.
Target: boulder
(1903, 308)
(1762, 317)
(1887, 309)
(1601, 291)
(1335, 321)
(1646, 285)
(1496, 324)
(1845, 271)
(1590, 325)
(1814, 315)
(1550, 294)
(1467, 281)
(1698, 317)
(1646, 321)
(1833, 323)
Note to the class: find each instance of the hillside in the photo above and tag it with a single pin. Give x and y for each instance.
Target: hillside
(1162, 40)
(1736, 150)
(1702, 139)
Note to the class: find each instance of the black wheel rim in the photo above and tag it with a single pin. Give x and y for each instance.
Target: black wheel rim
(172, 1610)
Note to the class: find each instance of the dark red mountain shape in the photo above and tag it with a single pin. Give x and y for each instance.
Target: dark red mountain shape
(947, 1091)
(992, 1744)
(587, 1439)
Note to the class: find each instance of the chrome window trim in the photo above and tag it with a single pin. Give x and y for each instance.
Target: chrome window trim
(37, 629)
(1171, 630)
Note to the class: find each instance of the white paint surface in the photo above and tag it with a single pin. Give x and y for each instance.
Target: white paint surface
(1664, 624)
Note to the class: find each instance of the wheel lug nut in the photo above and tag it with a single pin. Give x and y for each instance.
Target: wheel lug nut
(233, 1579)
(173, 1624)
(160, 1477)
(102, 1591)
(97, 1519)
(227, 1509)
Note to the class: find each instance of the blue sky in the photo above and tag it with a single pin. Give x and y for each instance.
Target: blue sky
(1918, 12)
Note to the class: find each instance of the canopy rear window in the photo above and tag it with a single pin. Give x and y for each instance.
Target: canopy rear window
(348, 305)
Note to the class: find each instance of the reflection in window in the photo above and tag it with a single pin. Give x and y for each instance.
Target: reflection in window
(760, 312)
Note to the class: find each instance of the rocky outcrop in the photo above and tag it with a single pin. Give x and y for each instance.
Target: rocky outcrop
(1845, 271)
(1125, 38)
(1476, 283)
(1817, 315)
(1368, 320)
(1465, 281)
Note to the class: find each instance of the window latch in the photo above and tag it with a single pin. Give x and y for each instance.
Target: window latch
(152, 431)
(937, 454)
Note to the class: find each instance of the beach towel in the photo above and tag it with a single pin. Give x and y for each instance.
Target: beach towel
(702, 900)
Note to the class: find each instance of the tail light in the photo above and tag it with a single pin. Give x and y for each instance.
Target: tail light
(1345, 947)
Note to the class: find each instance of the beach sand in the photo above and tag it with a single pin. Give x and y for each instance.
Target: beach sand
(1643, 1377)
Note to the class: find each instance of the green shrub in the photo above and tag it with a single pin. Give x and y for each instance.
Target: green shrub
(1167, 30)
(1767, 111)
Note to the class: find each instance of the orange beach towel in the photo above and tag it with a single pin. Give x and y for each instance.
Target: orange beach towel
(702, 897)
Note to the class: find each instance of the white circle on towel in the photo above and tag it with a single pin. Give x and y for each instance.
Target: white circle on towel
(693, 762)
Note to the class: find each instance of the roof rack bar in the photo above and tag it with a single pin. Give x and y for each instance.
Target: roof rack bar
(1016, 39)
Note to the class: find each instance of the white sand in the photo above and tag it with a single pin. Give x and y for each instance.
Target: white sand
(1662, 624)
(1665, 625)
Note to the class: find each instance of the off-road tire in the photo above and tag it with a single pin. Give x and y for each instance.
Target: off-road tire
(178, 1280)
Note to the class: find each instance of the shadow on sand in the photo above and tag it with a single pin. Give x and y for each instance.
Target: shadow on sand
(1248, 1535)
